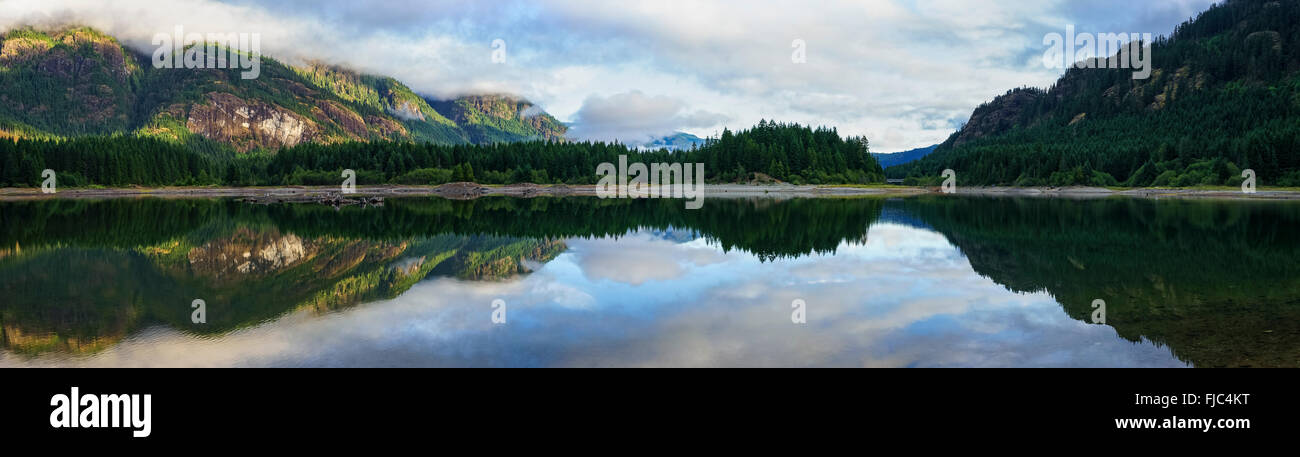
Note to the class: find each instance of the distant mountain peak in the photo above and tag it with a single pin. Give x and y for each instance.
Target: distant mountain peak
(898, 158)
(676, 141)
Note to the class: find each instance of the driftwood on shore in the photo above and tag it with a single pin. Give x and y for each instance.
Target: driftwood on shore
(460, 190)
(335, 199)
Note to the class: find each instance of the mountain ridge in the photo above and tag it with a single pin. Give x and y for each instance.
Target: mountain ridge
(1223, 96)
(77, 81)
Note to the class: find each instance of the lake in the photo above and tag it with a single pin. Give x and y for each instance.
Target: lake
(926, 281)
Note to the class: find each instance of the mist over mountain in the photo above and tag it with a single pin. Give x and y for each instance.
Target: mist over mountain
(676, 141)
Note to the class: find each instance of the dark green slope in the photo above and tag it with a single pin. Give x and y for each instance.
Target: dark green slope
(1234, 302)
(1224, 95)
(501, 118)
(77, 82)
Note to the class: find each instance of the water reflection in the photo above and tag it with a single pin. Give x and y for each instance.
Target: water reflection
(915, 282)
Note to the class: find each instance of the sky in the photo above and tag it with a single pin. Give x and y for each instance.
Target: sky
(904, 73)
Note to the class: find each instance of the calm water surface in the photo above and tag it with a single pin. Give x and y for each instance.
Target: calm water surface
(915, 282)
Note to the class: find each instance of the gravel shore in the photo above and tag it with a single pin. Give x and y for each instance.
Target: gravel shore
(471, 190)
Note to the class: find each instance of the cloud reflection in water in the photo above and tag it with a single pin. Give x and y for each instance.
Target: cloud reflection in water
(906, 298)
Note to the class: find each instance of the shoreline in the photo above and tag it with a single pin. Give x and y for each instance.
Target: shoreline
(471, 190)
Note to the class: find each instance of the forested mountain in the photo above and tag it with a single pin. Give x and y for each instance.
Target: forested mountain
(501, 118)
(889, 159)
(1224, 95)
(78, 81)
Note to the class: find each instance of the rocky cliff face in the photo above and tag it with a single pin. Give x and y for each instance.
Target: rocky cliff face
(247, 125)
(997, 116)
(348, 120)
(248, 253)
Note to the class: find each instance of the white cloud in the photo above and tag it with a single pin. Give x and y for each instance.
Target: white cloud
(635, 118)
(638, 258)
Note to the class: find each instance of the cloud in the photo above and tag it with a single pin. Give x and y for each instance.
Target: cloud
(638, 258)
(635, 118)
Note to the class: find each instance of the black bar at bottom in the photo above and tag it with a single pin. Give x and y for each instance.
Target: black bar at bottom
(232, 407)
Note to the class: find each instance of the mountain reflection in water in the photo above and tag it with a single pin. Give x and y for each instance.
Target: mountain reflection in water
(922, 281)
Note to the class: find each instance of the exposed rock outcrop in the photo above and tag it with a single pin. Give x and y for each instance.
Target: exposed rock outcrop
(248, 253)
(248, 125)
(997, 116)
(348, 120)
